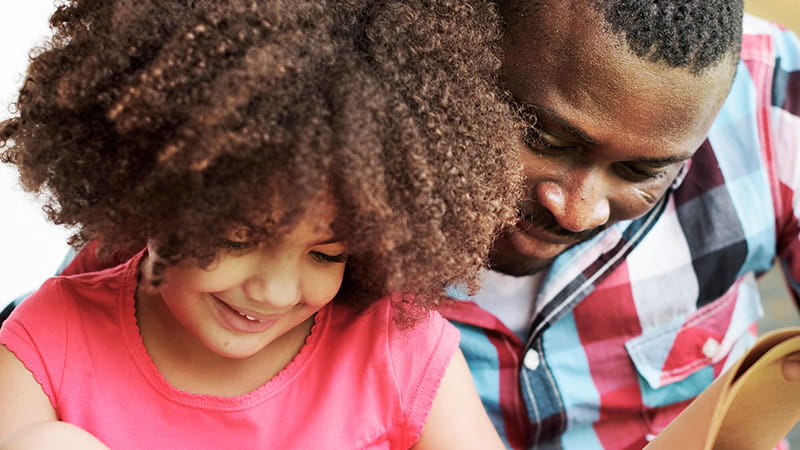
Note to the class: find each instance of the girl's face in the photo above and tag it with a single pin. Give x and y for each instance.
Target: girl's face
(255, 293)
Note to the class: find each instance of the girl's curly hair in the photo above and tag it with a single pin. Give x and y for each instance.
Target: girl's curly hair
(172, 121)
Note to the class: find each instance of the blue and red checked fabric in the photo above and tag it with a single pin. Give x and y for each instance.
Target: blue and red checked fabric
(633, 324)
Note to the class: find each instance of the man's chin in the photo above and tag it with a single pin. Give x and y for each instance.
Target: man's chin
(515, 254)
(519, 268)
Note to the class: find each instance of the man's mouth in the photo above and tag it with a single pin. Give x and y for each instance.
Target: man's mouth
(540, 223)
(542, 233)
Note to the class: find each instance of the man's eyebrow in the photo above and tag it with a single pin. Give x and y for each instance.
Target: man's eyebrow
(545, 111)
(664, 161)
(551, 115)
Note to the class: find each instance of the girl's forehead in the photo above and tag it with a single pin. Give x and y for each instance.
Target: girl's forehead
(313, 226)
(318, 213)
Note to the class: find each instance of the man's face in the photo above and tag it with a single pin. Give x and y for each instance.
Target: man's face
(609, 132)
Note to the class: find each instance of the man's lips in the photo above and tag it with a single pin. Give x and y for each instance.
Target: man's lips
(543, 234)
(537, 221)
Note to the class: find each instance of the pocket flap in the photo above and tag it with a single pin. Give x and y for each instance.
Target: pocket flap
(672, 351)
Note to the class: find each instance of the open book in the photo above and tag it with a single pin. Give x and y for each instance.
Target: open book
(751, 406)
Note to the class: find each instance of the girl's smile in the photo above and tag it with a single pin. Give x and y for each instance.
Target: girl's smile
(243, 321)
(255, 299)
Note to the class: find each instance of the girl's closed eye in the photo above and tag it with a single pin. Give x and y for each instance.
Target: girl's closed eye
(238, 239)
(238, 245)
(327, 258)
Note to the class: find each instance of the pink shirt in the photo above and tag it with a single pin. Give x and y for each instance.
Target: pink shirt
(358, 382)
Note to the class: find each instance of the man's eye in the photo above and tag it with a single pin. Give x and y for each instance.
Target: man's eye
(637, 172)
(541, 140)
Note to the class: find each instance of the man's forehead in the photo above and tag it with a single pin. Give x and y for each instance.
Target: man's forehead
(601, 79)
(557, 35)
(693, 35)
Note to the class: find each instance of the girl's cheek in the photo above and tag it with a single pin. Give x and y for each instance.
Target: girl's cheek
(325, 288)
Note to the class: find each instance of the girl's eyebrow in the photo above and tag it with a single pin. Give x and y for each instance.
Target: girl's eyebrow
(331, 240)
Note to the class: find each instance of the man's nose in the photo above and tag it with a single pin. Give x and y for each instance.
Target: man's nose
(579, 202)
(276, 283)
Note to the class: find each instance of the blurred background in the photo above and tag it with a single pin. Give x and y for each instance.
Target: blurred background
(31, 249)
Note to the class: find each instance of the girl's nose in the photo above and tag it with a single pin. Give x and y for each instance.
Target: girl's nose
(276, 284)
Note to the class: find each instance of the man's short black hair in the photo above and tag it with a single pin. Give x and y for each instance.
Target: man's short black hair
(680, 33)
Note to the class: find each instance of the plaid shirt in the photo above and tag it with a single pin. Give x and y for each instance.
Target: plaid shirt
(631, 325)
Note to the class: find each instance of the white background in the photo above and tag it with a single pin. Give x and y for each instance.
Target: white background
(31, 248)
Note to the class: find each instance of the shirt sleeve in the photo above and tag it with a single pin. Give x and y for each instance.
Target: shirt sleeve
(784, 140)
(420, 356)
(36, 334)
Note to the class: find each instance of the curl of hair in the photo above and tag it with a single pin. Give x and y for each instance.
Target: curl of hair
(172, 121)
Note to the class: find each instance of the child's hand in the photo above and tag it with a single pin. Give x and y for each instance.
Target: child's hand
(791, 367)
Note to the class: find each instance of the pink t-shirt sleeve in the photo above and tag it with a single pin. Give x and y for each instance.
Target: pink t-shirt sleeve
(36, 334)
(420, 356)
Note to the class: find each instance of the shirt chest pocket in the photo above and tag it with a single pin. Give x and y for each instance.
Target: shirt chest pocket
(676, 360)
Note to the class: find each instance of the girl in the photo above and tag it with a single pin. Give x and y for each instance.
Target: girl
(283, 166)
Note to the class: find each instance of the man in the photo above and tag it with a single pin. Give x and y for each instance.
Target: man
(661, 173)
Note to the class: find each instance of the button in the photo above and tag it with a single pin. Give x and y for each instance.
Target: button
(711, 348)
(531, 360)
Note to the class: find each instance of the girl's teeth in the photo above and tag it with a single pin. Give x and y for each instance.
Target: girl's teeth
(247, 316)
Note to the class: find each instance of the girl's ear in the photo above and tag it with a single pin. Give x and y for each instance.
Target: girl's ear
(151, 248)
(149, 269)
